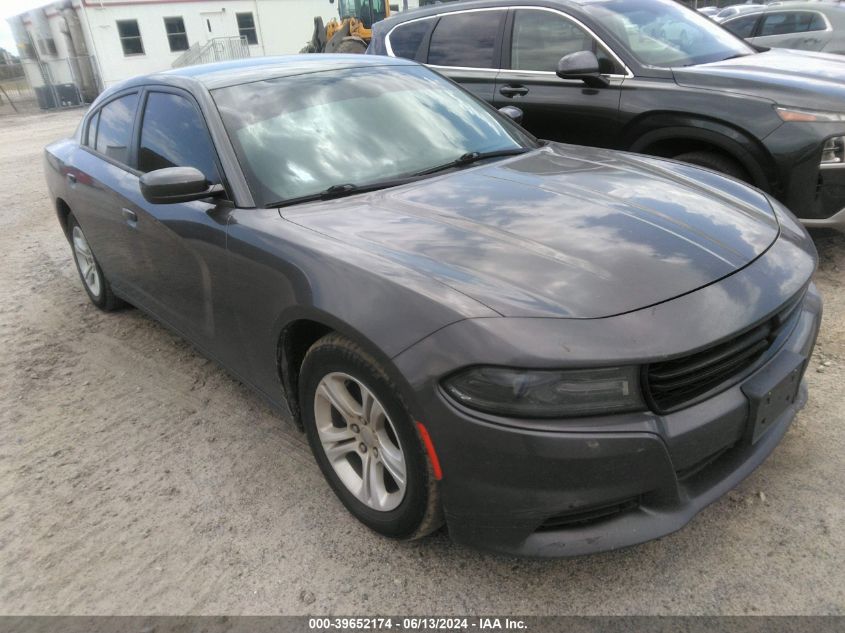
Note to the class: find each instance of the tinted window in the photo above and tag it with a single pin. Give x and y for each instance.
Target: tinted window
(173, 134)
(742, 27)
(817, 23)
(465, 39)
(130, 37)
(114, 132)
(405, 39)
(541, 38)
(783, 23)
(176, 35)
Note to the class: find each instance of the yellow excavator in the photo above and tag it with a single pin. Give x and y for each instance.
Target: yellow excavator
(352, 32)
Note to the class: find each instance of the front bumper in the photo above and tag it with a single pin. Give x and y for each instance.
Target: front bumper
(604, 487)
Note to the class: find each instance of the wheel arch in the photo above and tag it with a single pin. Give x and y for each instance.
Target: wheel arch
(63, 212)
(667, 135)
(298, 330)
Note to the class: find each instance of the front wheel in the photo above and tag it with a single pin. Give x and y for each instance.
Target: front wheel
(365, 441)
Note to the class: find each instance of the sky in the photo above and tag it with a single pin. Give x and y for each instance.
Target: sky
(9, 8)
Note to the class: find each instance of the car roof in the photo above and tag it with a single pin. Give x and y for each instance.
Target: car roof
(796, 5)
(230, 73)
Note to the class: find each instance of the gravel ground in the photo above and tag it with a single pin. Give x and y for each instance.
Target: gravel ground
(138, 477)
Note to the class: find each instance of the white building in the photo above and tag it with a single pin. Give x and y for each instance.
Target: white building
(123, 38)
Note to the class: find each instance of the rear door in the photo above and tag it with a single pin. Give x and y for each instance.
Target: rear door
(103, 181)
(805, 30)
(535, 39)
(466, 47)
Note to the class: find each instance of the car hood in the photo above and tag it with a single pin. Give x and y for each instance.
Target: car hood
(563, 231)
(787, 77)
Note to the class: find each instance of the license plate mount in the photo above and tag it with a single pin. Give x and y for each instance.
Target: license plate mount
(771, 391)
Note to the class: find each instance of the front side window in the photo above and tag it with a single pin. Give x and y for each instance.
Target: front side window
(786, 22)
(246, 27)
(405, 39)
(174, 134)
(130, 37)
(291, 134)
(742, 26)
(465, 39)
(114, 130)
(176, 35)
(541, 38)
(666, 34)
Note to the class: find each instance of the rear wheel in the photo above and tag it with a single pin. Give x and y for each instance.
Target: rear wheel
(93, 280)
(365, 441)
(352, 46)
(717, 162)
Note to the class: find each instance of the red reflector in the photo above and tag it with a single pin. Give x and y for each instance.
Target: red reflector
(429, 448)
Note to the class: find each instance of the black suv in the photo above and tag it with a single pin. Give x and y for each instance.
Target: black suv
(648, 76)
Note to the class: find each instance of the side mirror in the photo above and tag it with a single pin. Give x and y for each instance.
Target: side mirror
(583, 65)
(513, 113)
(177, 184)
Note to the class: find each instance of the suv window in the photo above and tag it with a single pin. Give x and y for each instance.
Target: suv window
(465, 39)
(784, 22)
(168, 117)
(406, 38)
(743, 26)
(541, 38)
(114, 130)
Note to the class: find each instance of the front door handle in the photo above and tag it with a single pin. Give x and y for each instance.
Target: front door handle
(513, 91)
(129, 215)
(71, 178)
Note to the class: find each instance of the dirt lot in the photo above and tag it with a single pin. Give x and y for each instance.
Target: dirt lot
(138, 477)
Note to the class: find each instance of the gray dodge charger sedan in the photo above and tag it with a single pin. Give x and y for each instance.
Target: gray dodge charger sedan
(553, 349)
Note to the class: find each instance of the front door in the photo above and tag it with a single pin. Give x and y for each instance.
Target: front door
(554, 108)
(179, 250)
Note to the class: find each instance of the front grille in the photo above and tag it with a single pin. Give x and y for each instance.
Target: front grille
(586, 516)
(668, 385)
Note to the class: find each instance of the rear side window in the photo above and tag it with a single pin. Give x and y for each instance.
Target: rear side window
(406, 38)
(114, 130)
(783, 23)
(743, 26)
(465, 39)
(174, 134)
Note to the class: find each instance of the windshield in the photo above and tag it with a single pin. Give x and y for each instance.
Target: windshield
(297, 136)
(664, 33)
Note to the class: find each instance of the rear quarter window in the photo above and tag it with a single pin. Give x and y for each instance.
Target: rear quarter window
(405, 39)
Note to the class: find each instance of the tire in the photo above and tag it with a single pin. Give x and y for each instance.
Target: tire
(346, 376)
(100, 293)
(352, 46)
(717, 162)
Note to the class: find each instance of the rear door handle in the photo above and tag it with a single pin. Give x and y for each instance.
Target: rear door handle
(513, 91)
(71, 178)
(129, 215)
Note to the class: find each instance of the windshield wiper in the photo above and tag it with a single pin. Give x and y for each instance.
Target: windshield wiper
(474, 157)
(341, 190)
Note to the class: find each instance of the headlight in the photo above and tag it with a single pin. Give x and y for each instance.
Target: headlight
(793, 114)
(547, 394)
(833, 152)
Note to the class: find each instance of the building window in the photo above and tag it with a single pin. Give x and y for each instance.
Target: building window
(130, 37)
(176, 35)
(246, 27)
